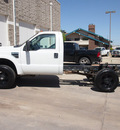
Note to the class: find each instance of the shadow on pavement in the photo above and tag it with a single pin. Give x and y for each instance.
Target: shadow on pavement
(49, 81)
(53, 81)
(98, 90)
(38, 81)
(81, 83)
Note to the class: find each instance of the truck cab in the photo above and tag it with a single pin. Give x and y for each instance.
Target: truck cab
(41, 54)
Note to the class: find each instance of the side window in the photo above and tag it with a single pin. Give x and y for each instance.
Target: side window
(77, 46)
(44, 41)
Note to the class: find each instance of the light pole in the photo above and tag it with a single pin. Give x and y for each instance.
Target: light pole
(51, 26)
(14, 19)
(109, 12)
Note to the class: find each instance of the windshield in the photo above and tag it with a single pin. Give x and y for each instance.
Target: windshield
(24, 42)
(19, 45)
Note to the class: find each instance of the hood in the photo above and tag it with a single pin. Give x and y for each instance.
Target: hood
(9, 49)
(2, 48)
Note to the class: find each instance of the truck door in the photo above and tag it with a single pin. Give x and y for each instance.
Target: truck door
(43, 57)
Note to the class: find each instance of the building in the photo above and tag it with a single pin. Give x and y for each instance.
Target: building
(88, 39)
(32, 16)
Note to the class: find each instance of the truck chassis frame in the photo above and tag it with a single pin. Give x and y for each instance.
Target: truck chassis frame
(104, 76)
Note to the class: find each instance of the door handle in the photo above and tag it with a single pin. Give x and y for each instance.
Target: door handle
(55, 55)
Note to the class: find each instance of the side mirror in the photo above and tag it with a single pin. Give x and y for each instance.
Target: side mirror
(27, 46)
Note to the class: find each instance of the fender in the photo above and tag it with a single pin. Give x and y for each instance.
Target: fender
(15, 61)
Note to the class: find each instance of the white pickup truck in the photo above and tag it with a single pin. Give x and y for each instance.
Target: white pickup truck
(43, 54)
(103, 51)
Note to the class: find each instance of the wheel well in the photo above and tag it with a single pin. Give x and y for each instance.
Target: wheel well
(8, 63)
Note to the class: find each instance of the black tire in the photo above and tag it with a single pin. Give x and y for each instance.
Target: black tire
(84, 61)
(7, 77)
(106, 80)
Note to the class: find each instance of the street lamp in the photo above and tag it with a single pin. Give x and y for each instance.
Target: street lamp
(109, 12)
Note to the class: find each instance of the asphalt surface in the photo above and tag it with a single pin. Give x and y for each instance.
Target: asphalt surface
(65, 102)
(111, 60)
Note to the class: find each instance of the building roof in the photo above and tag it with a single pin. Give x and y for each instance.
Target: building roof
(86, 33)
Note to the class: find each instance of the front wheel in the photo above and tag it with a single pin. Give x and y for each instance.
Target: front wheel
(7, 77)
(106, 80)
(84, 61)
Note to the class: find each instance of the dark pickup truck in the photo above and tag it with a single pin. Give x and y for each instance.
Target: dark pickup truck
(73, 53)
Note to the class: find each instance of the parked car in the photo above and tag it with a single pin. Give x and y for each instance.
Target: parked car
(73, 53)
(103, 51)
(116, 52)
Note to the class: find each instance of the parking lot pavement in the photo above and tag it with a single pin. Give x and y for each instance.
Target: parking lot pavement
(66, 102)
(111, 60)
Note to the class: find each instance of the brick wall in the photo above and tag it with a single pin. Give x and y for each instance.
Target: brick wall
(73, 36)
(36, 12)
(4, 8)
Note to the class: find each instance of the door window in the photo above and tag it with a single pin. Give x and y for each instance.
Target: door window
(45, 41)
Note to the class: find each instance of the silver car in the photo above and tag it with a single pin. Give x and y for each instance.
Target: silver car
(116, 52)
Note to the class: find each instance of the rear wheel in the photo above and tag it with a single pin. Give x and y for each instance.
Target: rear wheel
(106, 80)
(84, 60)
(7, 77)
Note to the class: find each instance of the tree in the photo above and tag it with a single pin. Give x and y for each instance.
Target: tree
(63, 33)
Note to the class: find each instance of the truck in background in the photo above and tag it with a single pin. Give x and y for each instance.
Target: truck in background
(103, 51)
(73, 53)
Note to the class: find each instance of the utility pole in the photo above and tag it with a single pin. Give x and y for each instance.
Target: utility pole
(109, 12)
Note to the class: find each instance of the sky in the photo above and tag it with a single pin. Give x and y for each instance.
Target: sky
(80, 13)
